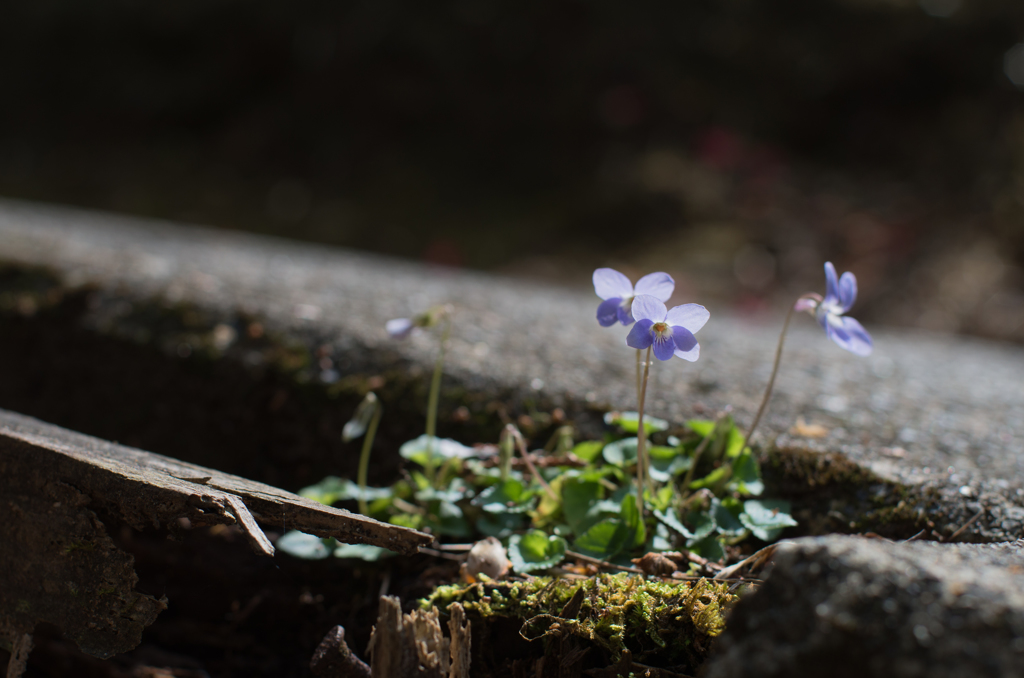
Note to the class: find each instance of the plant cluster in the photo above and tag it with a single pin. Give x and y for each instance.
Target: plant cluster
(640, 489)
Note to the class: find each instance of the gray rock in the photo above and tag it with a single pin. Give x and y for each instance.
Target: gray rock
(849, 606)
(929, 410)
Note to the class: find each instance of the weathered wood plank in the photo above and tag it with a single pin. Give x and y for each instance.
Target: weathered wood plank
(144, 489)
(60, 493)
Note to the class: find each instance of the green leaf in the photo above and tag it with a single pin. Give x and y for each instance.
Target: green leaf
(535, 550)
(603, 539)
(709, 547)
(500, 525)
(670, 519)
(726, 514)
(766, 519)
(701, 427)
(456, 491)
(549, 508)
(630, 422)
(334, 489)
(417, 450)
(406, 520)
(662, 499)
(578, 497)
(451, 522)
(588, 449)
(633, 521)
(302, 545)
(703, 525)
(713, 479)
(365, 552)
(746, 475)
(667, 462)
(621, 452)
(506, 497)
(734, 444)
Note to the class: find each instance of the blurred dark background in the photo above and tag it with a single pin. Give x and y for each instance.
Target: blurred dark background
(735, 143)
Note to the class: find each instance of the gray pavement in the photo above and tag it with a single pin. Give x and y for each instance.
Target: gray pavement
(923, 408)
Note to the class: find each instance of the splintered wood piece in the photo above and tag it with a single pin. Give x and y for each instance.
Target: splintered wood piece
(20, 649)
(61, 493)
(407, 644)
(461, 641)
(146, 489)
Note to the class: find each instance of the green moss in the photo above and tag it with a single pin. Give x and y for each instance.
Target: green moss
(664, 622)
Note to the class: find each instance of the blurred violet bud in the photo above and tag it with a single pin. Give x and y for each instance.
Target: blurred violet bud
(839, 297)
(669, 331)
(618, 293)
(400, 328)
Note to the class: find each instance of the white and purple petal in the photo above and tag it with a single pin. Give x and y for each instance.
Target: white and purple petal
(849, 334)
(664, 346)
(690, 355)
(399, 328)
(608, 311)
(831, 284)
(690, 316)
(646, 307)
(623, 311)
(641, 335)
(684, 339)
(609, 283)
(847, 291)
(659, 285)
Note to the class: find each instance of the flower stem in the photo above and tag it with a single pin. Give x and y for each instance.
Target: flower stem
(364, 457)
(641, 442)
(521, 444)
(435, 392)
(771, 380)
(638, 377)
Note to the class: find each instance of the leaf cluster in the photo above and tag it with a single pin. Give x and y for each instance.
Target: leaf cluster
(705, 495)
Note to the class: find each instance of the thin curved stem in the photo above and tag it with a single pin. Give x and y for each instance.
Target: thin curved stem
(771, 380)
(641, 442)
(364, 457)
(435, 392)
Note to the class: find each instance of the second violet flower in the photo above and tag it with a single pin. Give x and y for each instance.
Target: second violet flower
(669, 331)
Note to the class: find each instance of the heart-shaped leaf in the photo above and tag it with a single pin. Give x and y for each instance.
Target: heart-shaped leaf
(302, 545)
(766, 519)
(418, 449)
(535, 550)
(334, 489)
(507, 497)
(588, 449)
(621, 452)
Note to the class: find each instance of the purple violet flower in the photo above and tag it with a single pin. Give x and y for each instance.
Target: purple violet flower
(839, 298)
(618, 293)
(670, 331)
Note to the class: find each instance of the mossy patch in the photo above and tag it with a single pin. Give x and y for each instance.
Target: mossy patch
(661, 623)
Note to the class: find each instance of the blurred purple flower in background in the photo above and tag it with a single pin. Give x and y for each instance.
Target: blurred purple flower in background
(618, 293)
(670, 331)
(839, 298)
(400, 328)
